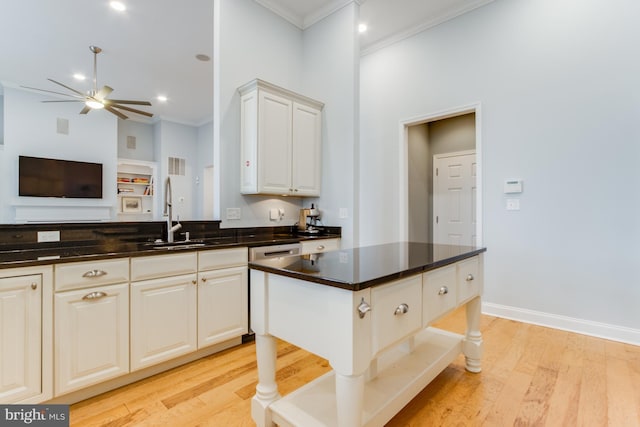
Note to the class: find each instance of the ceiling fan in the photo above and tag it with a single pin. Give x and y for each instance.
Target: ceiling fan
(97, 99)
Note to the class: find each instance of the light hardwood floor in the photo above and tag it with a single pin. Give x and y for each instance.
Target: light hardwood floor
(532, 376)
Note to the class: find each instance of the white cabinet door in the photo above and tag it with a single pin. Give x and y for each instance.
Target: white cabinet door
(20, 338)
(274, 149)
(92, 336)
(281, 141)
(307, 150)
(163, 319)
(222, 305)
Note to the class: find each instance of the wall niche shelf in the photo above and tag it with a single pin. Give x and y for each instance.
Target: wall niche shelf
(136, 190)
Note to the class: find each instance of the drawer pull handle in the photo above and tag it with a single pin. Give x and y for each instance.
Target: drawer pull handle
(401, 309)
(94, 273)
(469, 277)
(321, 247)
(34, 286)
(363, 308)
(94, 295)
(443, 290)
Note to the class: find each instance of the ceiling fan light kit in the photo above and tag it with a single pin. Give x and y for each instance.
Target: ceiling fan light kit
(97, 99)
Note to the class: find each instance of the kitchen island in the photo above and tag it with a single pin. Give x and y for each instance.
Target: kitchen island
(367, 311)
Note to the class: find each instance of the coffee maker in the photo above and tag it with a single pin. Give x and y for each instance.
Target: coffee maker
(308, 221)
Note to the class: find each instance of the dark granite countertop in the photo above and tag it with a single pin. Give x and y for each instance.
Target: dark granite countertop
(360, 268)
(60, 252)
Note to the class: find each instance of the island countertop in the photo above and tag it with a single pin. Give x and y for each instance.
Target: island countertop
(363, 267)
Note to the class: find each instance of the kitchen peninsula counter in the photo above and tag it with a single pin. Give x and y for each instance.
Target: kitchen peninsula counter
(367, 311)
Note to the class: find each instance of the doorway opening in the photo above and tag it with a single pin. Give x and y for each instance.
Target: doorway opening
(441, 180)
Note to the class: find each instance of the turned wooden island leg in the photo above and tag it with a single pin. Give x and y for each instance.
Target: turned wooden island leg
(267, 388)
(472, 344)
(350, 399)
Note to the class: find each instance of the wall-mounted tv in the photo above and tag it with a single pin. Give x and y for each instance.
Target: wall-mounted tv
(38, 177)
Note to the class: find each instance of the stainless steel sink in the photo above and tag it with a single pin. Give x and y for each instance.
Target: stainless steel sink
(172, 246)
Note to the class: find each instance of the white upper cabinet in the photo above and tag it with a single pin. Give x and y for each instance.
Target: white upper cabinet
(281, 138)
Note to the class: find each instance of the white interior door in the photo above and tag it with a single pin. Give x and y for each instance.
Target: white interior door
(454, 198)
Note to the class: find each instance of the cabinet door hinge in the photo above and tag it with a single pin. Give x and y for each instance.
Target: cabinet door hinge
(437, 219)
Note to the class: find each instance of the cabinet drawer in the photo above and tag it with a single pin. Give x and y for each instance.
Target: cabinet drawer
(396, 311)
(469, 279)
(222, 258)
(438, 293)
(92, 336)
(150, 267)
(77, 275)
(317, 246)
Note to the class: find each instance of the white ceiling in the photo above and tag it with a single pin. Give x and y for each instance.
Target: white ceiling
(150, 48)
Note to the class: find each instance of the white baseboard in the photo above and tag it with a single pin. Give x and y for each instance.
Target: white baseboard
(580, 326)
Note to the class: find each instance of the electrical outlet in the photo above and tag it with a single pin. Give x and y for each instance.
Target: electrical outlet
(513, 204)
(233, 213)
(48, 236)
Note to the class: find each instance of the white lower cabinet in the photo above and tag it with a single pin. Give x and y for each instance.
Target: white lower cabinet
(20, 338)
(222, 305)
(163, 319)
(223, 300)
(92, 336)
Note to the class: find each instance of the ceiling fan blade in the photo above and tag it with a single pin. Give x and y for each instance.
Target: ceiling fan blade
(67, 87)
(85, 110)
(70, 100)
(125, 101)
(51, 91)
(103, 93)
(116, 112)
(133, 110)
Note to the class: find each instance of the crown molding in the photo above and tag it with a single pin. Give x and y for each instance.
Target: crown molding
(412, 31)
(304, 22)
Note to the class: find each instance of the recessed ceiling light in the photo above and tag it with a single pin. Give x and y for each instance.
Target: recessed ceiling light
(79, 76)
(119, 6)
(362, 28)
(161, 98)
(203, 57)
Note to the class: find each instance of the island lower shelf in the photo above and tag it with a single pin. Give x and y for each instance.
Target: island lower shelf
(402, 372)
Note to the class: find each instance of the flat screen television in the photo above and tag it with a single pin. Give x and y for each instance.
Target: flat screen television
(39, 177)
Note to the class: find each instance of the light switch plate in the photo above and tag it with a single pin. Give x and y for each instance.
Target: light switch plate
(343, 213)
(274, 215)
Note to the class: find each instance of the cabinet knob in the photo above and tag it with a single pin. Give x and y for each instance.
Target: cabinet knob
(469, 277)
(443, 290)
(194, 282)
(34, 286)
(94, 273)
(94, 295)
(204, 279)
(363, 308)
(401, 309)
(320, 247)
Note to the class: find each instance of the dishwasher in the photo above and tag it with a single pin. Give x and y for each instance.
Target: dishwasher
(275, 251)
(268, 252)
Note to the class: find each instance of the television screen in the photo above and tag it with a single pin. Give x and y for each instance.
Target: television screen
(38, 177)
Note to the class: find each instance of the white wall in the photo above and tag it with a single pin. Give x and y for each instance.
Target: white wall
(204, 159)
(143, 132)
(330, 70)
(249, 42)
(320, 62)
(31, 129)
(558, 86)
(177, 140)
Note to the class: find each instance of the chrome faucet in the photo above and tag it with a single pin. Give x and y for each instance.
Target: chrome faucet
(168, 212)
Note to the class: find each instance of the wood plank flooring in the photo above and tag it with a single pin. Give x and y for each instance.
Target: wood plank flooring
(532, 376)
